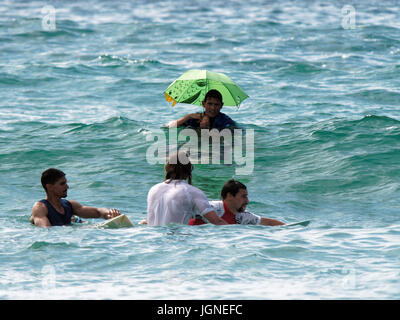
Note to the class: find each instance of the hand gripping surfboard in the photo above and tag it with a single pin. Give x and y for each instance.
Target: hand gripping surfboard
(121, 221)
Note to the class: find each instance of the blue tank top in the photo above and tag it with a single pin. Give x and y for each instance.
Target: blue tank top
(56, 218)
(220, 122)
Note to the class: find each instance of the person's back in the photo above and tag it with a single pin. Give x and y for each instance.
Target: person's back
(175, 202)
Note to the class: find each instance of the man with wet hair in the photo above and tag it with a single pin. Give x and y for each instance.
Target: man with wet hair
(56, 211)
(175, 200)
(211, 118)
(232, 208)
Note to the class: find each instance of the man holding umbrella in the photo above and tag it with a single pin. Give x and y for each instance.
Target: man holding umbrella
(211, 118)
(209, 89)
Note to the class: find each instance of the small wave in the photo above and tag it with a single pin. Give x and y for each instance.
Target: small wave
(46, 244)
(71, 69)
(340, 156)
(371, 134)
(378, 96)
(10, 79)
(377, 119)
(44, 34)
(62, 28)
(14, 80)
(114, 60)
(302, 68)
(368, 160)
(369, 124)
(115, 122)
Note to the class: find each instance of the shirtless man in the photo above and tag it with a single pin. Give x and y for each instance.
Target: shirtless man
(56, 211)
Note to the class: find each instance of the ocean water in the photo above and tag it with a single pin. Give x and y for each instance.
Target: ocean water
(81, 92)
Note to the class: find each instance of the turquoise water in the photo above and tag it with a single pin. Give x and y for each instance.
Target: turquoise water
(324, 107)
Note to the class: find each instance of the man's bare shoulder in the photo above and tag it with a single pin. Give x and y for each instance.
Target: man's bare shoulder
(39, 208)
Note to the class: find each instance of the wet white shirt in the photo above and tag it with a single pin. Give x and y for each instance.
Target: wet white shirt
(175, 202)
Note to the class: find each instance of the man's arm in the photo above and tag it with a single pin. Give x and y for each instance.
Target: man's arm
(39, 215)
(270, 222)
(92, 212)
(213, 218)
(183, 120)
(247, 217)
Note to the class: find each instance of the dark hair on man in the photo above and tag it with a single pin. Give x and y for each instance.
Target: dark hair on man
(178, 167)
(232, 186)
(213, 94)
(51, 176)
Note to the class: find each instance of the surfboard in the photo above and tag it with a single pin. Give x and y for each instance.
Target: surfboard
(121, 221)
(301, 223)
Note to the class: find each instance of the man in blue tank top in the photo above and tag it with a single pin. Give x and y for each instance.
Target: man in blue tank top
(56, 211)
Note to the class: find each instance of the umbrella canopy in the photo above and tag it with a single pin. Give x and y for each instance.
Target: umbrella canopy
(192, 86)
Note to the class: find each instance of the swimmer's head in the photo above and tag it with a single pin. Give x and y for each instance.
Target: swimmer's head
(212, 103)
(55, 179)
(214, 94)
(178, 167)
(235, 192)
(51, 176)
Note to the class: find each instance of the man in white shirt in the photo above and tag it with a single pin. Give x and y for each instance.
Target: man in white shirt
(175, 200)
(232, 208)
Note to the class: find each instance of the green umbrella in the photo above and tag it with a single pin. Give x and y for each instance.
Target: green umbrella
(192, 86)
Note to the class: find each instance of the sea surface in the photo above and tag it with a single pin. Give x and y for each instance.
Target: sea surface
(81, 89)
